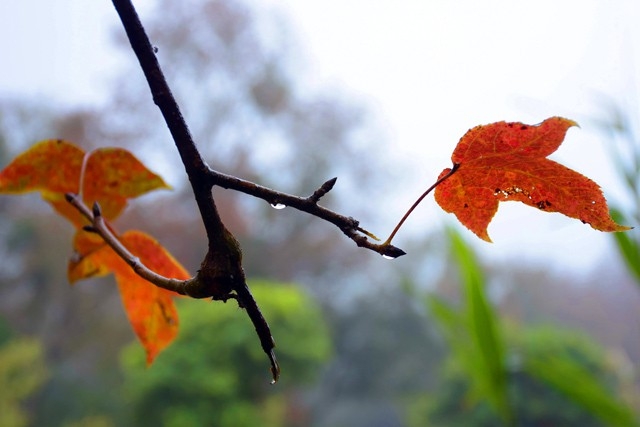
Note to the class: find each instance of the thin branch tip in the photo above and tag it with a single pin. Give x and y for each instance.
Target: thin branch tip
(324, 189)
(275, 368)
(97, 212)
(391, 251)
(328, 185)
(90, 229)
(368, 233)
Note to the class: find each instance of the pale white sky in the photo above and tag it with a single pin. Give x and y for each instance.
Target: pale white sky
(434, 69)
(429, 69)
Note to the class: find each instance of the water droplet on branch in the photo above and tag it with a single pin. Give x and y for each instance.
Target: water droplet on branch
(278, 206)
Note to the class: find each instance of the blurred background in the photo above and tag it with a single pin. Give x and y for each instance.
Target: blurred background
(538, 328)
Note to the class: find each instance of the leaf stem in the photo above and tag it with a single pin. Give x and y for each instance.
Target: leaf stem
(417, 202)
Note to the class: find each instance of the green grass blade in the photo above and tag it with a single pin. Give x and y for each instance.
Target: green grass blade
(487, 341)
(629, 249)
(579, 385)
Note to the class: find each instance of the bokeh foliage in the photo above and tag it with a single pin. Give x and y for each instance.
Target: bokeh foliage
(502, 374)
(215, 372)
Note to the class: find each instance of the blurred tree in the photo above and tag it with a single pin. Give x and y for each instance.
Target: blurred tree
(385, 351)
(22, 373)
(92, 421)
(215, 374)
(605, 303)
(239, 79)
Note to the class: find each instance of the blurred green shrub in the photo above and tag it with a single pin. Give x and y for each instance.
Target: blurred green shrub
(215, 373)
(501, 374)
(22, 373)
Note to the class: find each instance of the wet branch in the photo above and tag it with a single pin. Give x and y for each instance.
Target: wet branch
(100, 227)
(221, 276)
(201, 176)
(195, 287)
(348, 225)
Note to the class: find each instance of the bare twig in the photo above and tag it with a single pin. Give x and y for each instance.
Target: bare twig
(196, 167)
(221, 275)
(182, 287)
(349, 226)
(324, 189)
(99, 226)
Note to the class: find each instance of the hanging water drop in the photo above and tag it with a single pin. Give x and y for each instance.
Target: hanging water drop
(278, 206)
(385, 256)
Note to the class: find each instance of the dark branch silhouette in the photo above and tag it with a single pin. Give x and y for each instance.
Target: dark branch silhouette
(221, 276)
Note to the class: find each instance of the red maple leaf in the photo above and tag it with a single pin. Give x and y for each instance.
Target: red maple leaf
(503, 162)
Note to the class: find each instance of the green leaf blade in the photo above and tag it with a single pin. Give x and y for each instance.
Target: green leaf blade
(487, 340)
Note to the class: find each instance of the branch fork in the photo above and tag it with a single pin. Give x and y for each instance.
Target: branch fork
(208, 282)
(221, 276)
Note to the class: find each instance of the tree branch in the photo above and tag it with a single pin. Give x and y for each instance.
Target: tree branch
(190, 287)
(202, 177)
(221, 275)
(194, 165)
(99, 226)
(349, 226)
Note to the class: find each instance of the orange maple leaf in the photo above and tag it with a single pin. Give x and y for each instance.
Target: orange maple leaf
(54, 167)
(109, 176)
(150, 309)
(503, 162)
